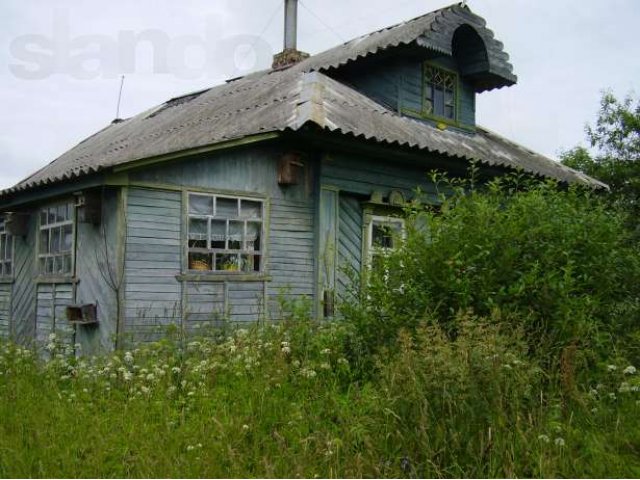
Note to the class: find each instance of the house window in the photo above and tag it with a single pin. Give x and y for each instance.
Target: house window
(6, 251)
(225, 234)
(55, 247)
(440, 91)
(384, 236)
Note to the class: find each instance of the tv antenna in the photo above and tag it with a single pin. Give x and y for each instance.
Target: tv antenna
(118, 119)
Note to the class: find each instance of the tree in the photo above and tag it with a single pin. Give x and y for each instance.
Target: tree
(614, 157)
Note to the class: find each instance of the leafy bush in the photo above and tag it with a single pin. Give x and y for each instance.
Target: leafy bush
(560, 264)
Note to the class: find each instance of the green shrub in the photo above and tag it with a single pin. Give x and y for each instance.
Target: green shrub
(558, 263)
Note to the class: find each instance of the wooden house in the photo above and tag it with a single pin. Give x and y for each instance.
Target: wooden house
(213, 204)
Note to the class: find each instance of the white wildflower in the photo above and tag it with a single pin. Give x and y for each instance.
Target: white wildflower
(176, 370)
(326, 351)
(52, 337)
(245, 427)
(343, 361)
(630, 370)
(50, 346)
(144, 389)
(286, 350)
(559, 442)
(308, 373)
(624, 388)
(325, 366)
(128, 357)
(295, 363)
(611, 368)
(127, 376)
(242, 332)
(151, 377)
(190, 448)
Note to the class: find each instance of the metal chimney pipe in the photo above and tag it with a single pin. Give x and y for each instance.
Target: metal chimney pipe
(290, 24)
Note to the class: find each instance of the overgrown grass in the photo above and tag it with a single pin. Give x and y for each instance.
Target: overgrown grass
(283, 402)
(499, 342)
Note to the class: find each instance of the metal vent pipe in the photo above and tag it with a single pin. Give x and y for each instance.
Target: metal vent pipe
(290, 24)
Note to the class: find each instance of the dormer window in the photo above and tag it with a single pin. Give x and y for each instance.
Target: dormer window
(440, 92)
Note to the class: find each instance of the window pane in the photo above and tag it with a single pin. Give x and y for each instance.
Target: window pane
(236, 234)
(226, 207)
(250, 263)
(55, 240)
(449, 104)
(438, 102)
(53, 212)
(200, 205)
(48, 265)
(43, 217)
(67, 238)
(3, 247)
(44, 241)
(198, 233)
(218, 234)
(254, 230)
(383, 233)
(66, 263)
(61, 213)
(251, 209)
(7, 269)
(228, 263)
(199, 261)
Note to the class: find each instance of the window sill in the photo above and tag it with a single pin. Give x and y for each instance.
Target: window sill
(215, 277)
(56, 279)
(7, 281)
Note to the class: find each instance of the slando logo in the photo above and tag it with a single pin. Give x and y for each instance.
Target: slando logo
(87, 57)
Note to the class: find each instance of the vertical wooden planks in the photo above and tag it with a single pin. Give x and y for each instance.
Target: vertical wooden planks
(23, 301)
(98, 272)
(328, 243)
(51, 302)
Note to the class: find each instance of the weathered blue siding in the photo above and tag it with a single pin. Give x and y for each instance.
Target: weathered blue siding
(51, 302)
(397, 84)
(152, 294)
(349, 244)
(99, 276)
(289, 227)
(5, 310)
(23, 297)
(356, 178)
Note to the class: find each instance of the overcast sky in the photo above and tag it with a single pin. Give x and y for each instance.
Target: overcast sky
(60, 62)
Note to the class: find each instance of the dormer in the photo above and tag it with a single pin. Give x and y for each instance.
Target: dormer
(429, 68)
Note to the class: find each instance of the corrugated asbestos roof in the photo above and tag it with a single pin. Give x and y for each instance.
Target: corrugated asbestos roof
(287, 100)
(434, 30)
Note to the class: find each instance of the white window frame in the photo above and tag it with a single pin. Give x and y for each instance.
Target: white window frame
(7, 251)
(56, 225)
(372, 250)
(235, 263)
